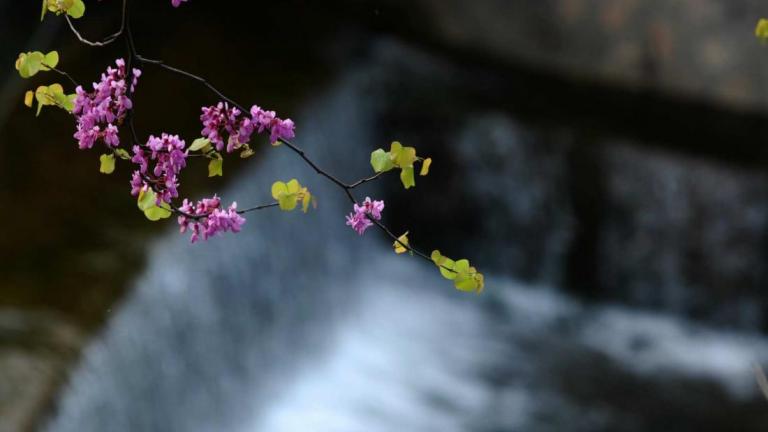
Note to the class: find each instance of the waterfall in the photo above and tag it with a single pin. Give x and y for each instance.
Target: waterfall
(297, 324)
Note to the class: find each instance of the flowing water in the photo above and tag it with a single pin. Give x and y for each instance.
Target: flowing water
(296, 324)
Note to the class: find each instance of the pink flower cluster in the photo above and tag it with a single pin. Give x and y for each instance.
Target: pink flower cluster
(220, 119)
(222, 122)
(360, 219)
(168, 154)
(277, 127)
(99, 112)
(207, 218)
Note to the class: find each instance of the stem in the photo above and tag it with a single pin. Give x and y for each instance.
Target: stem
(106, 41)
(259, 207)
(365, 180)
(199, 79)
(61, 72)
(196, 217)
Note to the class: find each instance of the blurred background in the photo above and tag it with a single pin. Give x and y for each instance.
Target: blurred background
(604, 163)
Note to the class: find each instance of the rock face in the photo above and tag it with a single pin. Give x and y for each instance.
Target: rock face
(702, 48)
(35, 351)
(604, 217)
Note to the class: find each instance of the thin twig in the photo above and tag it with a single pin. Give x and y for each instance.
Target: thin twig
(365, 180)
(259, 207)
(61, 72)
(201, 216)
(106, 41)
(199, 79)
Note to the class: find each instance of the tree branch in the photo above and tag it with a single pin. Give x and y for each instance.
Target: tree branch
(106, 41)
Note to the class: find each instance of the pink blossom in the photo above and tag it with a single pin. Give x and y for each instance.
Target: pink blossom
(278, 128)
(99, 111)
(206, 218)
(167, 152)
(176, 3)
(360, 218)
(359, 222)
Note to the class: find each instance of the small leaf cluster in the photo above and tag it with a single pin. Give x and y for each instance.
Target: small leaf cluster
(147, 203)
(288, 195)
(216, 164)
(73, 8)
(29, 64)
(464, 276)
(400, 157)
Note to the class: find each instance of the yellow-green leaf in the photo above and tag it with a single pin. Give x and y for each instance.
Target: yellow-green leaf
(107, 164)
(406, 176)
(380, 161)
(29, 97)
(447, 268)
(293, 186)
(401, 243)
(287, 201)
(199, 144)
(77, 9)
(279, 188)
(122, 154)
(761, 30)
(425, 166)
(215, 167)
(156, 213)
(147, 199)
(406, 157)
(394, 149)
(51, 60)
(306, 199)
(30, 63)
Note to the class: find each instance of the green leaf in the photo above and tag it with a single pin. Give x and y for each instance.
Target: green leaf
(435, 256)
(406, 157)
(29, 97)
(51, 60)
(305, 200)
(380, 161)
(67, 101)
(77, 9)
(147, 199)
(29, 64)
(122, 154)
(147, 203)
(293, 186)
(462, 266)
(446, 265)
(761, 30)
(465, 282)
(215, 167)
(45, 9)
(425, 166)
(199, 144)
(279, 188)
(394, 149)
(406, 176)
(287, 201)
(156, 213)
(107, 164)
